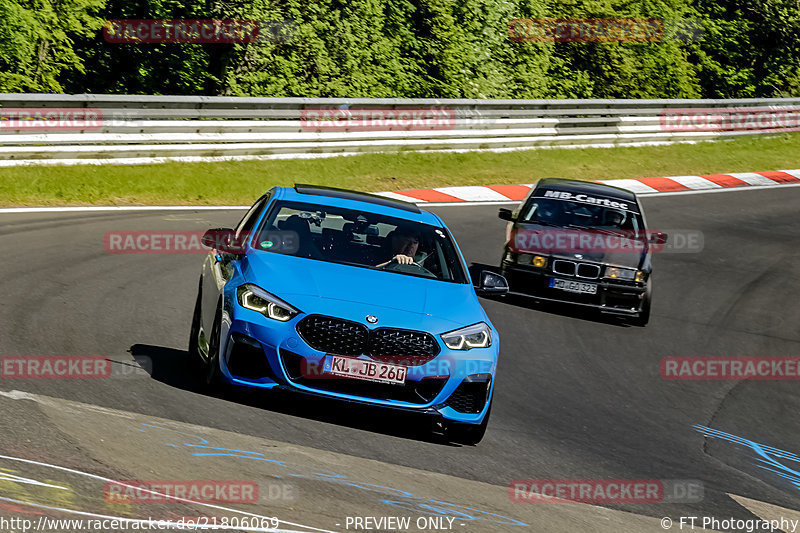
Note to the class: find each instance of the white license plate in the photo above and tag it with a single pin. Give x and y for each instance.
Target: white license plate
(367, 370)
(573, 286)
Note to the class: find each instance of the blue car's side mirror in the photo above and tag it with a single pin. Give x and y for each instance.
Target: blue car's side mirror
(222, 239)
(491, 283)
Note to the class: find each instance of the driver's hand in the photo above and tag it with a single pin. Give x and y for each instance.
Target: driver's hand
(403, 259)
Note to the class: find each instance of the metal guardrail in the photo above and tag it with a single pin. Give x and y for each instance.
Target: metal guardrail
(146, 129)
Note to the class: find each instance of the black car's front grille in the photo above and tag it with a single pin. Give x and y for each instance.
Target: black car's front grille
(589, 271)
(571, 268)
(565, 268)
(344, 337)
(418, 392)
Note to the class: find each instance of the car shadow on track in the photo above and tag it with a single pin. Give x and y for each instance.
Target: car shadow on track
(552, 308)
(174, 367)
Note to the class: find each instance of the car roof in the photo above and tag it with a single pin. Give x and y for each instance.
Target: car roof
(587, 187)
(358, 201)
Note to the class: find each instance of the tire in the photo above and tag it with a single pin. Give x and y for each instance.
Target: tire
(211, 374)
(470, 434)
(194, 349)
(644, 313)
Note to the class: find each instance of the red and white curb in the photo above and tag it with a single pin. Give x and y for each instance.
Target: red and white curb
(640, 186)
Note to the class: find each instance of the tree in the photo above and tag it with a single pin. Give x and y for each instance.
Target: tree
(36, 41)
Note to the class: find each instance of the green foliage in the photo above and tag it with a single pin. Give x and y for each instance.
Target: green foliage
(405, 48)
(36, 41)
(752, 48)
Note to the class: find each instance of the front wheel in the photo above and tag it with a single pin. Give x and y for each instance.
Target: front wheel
(194, 349)
(211, 378)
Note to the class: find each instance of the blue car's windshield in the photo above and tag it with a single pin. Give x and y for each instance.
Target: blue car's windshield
(368, 240)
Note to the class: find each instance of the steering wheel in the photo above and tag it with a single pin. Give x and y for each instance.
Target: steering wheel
(413, 268)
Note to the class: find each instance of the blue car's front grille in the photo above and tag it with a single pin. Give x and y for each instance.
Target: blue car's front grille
(333, 335)
(389, 341)
(344, 337)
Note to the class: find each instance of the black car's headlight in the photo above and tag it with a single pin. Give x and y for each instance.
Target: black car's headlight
(257, 299)
(475, 336)
(620, 273)
(536, 260)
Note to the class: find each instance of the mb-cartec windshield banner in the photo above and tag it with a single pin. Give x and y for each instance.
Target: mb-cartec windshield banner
(588, 199)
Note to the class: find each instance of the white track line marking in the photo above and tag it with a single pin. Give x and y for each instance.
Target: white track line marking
(795, 173)
(695, 182)
(474, 193)
(108, 480)
(632, 185)
(398, 196)
(752, 178)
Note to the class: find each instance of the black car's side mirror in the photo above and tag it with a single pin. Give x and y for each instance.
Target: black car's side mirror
(506, 214)
(221, 239)
(491, 284)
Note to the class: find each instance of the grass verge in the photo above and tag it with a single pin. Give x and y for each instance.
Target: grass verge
(240, 183)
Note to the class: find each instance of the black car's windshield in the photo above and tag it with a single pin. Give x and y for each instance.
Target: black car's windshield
(368, 240)
(580, 215)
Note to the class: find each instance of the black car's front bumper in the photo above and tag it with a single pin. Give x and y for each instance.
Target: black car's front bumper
(613, 296)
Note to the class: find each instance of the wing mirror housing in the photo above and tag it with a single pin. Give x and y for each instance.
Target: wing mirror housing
(223, 240)
(506, 214)
(491, 284)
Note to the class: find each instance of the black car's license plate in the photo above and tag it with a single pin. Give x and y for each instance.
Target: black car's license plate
(569, 285)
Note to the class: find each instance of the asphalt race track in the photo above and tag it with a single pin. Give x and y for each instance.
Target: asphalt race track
(576, 397)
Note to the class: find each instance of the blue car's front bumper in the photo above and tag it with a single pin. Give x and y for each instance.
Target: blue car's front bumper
(263, 353)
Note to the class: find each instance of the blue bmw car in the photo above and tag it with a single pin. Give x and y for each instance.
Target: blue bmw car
(350, 296)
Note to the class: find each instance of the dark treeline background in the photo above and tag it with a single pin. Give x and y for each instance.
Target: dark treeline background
(404, 48)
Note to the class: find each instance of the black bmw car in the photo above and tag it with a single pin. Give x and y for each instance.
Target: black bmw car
(582, 243)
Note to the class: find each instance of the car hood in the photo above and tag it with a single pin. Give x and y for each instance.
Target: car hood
(565, 243)
(397, 300)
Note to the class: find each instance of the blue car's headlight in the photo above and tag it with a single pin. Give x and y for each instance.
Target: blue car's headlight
(475, 336)
(257, 299)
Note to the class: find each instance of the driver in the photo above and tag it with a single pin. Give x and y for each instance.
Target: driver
(613, 218)
(404, 244)
(549, 212)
